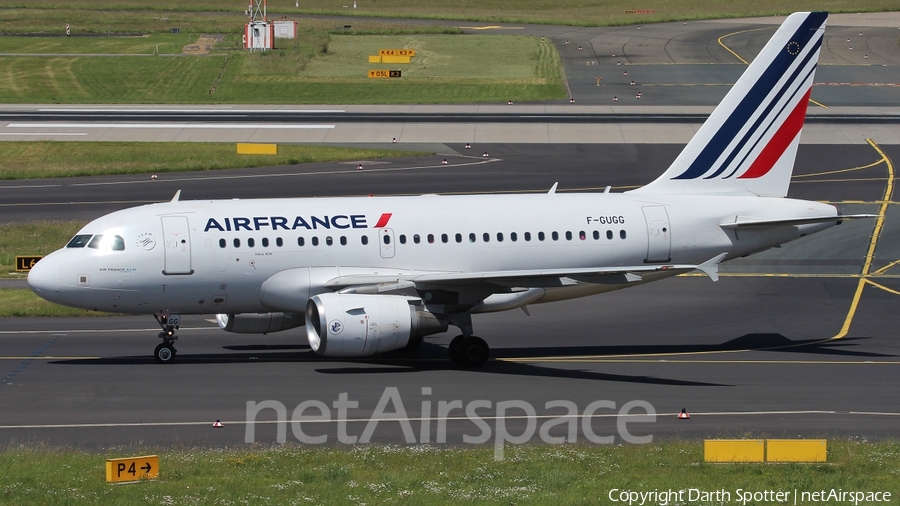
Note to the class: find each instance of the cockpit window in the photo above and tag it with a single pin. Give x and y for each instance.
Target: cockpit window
(107, 243)
(79, 241)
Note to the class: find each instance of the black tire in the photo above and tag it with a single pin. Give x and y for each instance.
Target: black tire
(164, 354)
(474, 352)
(455, 350)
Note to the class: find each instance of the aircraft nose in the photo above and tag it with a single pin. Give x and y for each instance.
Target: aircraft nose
(43, 279)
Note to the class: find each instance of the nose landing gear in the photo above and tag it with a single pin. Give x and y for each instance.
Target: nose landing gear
(165, 352)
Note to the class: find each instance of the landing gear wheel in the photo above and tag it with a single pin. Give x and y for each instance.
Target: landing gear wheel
(474, 352)
(164, 353)
(454, 349)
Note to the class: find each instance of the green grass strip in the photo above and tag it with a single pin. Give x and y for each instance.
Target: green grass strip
(439, 475)
(32, 160)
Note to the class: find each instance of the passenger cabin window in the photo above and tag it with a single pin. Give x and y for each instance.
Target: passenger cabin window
(222, 243)
(79, 241)
(107, 243)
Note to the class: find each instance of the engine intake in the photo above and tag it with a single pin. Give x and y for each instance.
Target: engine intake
(258, 323)
(353, 325)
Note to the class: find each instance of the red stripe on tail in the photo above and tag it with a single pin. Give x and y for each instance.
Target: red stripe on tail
(779, 142)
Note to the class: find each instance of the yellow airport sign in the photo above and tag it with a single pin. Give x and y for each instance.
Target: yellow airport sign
(796, 450)
(25, 263)
(383, 74)
(375, 59)
(132, 469)
(397, 52)
(395, 59)
(734, 450)
(257, 149)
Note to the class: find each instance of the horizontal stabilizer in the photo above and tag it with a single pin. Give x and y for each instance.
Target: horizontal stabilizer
(761, 224)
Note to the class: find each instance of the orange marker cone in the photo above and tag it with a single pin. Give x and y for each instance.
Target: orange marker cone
(683, 415)
(218, 424)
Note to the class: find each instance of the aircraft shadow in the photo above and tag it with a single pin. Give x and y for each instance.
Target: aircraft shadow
(433, 357)
(754, 342)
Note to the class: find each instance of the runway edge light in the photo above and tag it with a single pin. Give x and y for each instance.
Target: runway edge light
(132, 469)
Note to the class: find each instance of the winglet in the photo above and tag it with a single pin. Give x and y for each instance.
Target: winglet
(553, 188)
(711, 266)
(177, 196)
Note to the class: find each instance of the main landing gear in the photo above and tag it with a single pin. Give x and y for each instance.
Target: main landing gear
(165, 351)
(469, 351)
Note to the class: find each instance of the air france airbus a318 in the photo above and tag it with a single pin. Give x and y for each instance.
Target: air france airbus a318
(372, 275)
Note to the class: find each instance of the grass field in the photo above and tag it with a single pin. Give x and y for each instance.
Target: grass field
(425, 475)
(43, 159)
(452, 69)
(572, 12)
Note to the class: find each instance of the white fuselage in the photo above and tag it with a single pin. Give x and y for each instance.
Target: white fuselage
(194, 257)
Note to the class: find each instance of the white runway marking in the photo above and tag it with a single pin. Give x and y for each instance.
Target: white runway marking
(46, 133)
(257, 111)
(449, 418)
(244, 126)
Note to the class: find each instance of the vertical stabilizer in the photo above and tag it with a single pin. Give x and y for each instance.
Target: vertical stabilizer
(749, 143)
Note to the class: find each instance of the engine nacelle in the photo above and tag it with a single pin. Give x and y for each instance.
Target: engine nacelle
(258, 323)
(353, 325)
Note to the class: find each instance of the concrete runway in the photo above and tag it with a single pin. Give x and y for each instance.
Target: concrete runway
(750, 354)
(794, 341)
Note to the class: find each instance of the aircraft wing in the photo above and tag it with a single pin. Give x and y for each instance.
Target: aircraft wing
(539, 278)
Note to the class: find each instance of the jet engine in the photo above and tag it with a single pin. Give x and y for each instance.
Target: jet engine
(258, 323)
(353, 325)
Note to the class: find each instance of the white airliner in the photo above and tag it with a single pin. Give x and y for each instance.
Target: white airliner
(371, 275)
